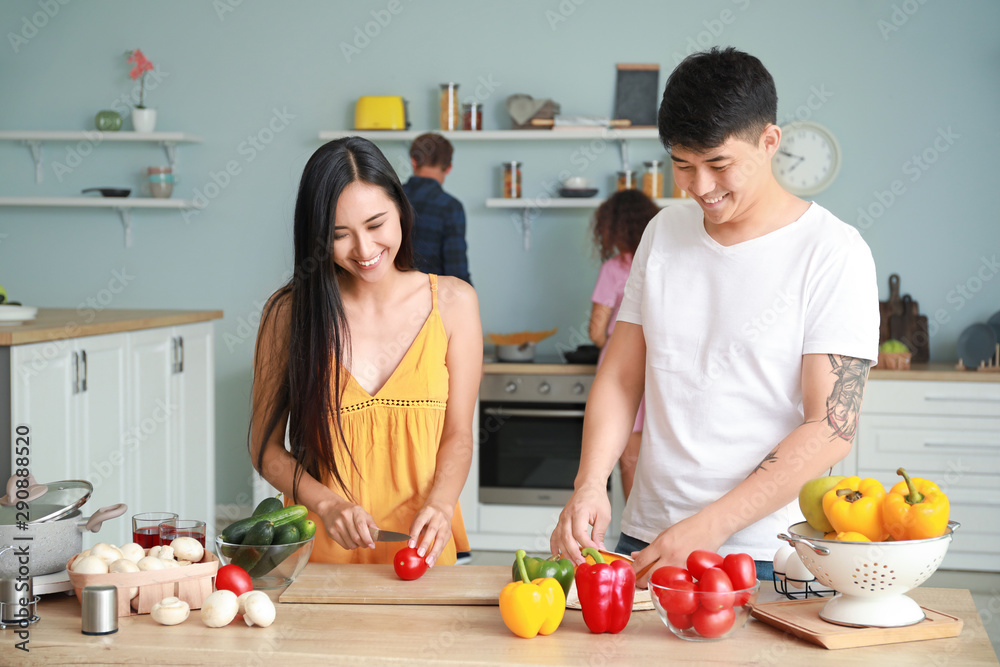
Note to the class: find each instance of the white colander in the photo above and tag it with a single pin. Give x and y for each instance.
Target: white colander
(871, 577)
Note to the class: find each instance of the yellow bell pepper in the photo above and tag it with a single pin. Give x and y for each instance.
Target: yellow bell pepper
(529, 609)
(855, 505)
(851, 537)
(915, 509)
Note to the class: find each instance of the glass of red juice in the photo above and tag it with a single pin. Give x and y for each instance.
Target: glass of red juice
(171, 529)
(146, 528)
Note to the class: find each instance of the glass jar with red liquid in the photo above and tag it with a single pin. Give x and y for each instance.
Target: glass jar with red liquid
(146, 527)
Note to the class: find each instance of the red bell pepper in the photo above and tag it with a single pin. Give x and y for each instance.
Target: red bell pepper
(606, 592)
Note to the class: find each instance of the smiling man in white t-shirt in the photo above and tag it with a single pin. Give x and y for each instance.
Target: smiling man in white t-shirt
(750, 320)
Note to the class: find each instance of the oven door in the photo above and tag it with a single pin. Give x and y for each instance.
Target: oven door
(529, 453)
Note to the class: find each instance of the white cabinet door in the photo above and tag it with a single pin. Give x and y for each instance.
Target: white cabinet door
(43, 387)
(101, 414)
(193, 451)
(151, 421)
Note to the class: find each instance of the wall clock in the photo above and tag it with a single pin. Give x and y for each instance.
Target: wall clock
(808, 158)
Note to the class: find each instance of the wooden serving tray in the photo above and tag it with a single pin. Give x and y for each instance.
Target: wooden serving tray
(378, 584)
(801, 618)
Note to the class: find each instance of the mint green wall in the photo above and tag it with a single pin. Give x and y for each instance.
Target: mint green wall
(889, 78)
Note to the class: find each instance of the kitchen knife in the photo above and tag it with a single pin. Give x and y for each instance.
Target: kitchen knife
(388, 536)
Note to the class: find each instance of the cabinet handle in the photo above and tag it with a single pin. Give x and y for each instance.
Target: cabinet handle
(964, 399)
(180, 356)
(173, 354)
(83, 380)
(961, 445)
(76, 373)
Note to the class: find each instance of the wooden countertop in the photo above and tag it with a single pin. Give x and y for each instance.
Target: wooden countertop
(324, 634)
(936, 372)
(62, 323)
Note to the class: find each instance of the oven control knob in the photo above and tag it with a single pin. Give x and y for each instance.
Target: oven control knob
(511, 387)
(578, 388)
(544, 388)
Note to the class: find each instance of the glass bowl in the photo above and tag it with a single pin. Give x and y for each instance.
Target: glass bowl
(276, 567)
(712, 616)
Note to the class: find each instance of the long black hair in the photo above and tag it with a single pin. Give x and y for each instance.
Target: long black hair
(311, 383)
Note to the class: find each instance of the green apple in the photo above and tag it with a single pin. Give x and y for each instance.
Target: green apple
(811, 501)
(893, 346)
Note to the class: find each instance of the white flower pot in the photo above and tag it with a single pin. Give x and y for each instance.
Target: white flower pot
(144, 120)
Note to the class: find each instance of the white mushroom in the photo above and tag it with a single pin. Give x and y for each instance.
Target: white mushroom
(165, 553)
(125, 565)
(182, 563)
(219, 609)
(187, 548)
(106, 552)
(84, 553)
(257, 608)
(90, 565)
(152, 563)
(170, 611)
(154, 552)
(132, 552)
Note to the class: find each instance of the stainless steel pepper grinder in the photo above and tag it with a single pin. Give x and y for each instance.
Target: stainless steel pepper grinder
(99, 610)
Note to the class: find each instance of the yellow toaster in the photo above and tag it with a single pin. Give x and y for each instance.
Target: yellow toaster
(380, 112)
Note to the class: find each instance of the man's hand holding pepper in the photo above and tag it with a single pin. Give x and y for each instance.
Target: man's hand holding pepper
(587, 507)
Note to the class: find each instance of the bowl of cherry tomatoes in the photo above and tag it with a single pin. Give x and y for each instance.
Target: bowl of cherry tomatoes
(710, 599)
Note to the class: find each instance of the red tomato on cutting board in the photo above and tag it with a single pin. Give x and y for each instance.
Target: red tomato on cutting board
(408, 564)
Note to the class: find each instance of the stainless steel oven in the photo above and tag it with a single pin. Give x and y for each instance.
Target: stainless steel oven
(530, 432)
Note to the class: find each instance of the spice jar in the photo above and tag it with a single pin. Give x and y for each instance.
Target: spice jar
(450, 112)
(512, 180)
(678, 193)
(626, 180)
(472, 116)
(652, 179)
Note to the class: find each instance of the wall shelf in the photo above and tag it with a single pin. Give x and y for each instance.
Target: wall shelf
(123, 205)
(621, 135)
(612, 133)
(34, 140)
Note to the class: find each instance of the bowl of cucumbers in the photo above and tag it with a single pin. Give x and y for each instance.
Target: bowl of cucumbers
(272, 545)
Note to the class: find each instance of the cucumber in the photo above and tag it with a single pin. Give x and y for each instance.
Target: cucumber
(236, 532)
(268, 505)
(307, 529)
(286, 534)
(257, 539)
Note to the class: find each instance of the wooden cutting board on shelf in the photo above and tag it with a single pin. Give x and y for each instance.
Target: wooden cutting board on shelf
(900, 319)
(378, 584)
(801, 618)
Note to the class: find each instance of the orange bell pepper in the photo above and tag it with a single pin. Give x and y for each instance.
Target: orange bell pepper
(915, 509)
(855, 505)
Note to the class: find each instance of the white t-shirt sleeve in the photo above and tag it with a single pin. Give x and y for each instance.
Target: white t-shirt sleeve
(631, 308)
(842, 315)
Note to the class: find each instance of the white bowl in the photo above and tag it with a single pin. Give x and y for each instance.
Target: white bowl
(576, 183)
(871, 577)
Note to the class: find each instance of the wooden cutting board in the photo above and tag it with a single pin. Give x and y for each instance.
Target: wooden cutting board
(378, 584)
(801, 618)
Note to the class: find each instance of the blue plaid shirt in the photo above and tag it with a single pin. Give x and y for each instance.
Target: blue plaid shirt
(439, 229)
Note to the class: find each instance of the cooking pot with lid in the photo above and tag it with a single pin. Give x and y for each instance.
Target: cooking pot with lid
(42, 529)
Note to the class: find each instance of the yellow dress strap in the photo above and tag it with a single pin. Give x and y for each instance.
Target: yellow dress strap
(434, 290)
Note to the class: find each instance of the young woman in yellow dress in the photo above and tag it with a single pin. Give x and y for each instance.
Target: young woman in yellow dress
(374, 368)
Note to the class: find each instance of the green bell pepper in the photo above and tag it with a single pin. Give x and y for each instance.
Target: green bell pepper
(560, 569)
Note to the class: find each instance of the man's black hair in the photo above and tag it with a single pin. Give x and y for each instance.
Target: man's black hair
(715, 95)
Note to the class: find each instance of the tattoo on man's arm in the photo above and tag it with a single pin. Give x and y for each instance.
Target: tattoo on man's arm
(772, 457)
(843, 406)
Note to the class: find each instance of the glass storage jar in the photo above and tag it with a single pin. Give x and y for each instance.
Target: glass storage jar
(450, 110)
(472, 116)
(626, 180)
(512, 180)
(652, 179)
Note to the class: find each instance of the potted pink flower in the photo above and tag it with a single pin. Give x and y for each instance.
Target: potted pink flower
(143, 119)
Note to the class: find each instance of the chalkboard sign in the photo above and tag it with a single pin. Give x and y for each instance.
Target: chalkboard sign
(637, 92)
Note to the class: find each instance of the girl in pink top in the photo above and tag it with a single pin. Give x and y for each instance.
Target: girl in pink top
(618, 226)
